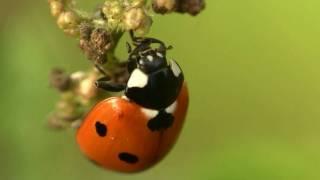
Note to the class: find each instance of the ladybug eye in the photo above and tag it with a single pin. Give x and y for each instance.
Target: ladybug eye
(101, 129)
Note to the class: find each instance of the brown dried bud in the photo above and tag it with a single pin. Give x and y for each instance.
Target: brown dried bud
(100, 40)
(95, 42)
(192, 7)
(60, 80)
(163, 6)
(85, 31)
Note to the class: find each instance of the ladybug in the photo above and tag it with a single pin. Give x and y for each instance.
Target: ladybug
(135, 131)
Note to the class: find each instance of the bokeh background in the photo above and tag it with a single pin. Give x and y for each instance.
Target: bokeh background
(253, 72)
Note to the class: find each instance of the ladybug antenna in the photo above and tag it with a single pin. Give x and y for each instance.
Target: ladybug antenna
(138, 41)
(144, 45)
(163, 49)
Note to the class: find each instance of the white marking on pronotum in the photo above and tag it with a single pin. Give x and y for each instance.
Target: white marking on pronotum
(150, 58)
(150, 113)
(137, 79)
(159, 54)
(141, 62)
(175, 68)
(170, 109)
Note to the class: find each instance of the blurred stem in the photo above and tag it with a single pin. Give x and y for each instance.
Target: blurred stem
(112, 60)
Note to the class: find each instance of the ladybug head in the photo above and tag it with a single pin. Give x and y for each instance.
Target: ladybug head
(146, 57)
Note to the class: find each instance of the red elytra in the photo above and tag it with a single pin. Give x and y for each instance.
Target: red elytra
(125, 142)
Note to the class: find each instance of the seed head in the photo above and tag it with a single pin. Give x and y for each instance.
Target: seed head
(164, 6)
(193, 7)
(137, 19)
(56, 8)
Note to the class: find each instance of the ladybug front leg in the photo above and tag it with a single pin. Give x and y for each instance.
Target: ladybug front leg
(106, 84)
(135, 40)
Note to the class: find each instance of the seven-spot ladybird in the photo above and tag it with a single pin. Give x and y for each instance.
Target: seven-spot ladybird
(133, 132)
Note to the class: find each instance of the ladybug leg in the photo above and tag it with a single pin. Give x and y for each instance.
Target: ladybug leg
(129, 48)
(136, 40)
(106, 84)
(161, 122)
(100, 69)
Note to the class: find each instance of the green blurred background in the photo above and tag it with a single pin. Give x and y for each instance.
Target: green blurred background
(253, 72)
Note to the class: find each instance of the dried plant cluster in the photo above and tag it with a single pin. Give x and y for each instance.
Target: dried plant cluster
(98, 34)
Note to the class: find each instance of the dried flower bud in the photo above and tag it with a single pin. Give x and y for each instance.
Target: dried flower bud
(134, 18)
(76, 124)
(85, 30)
(192, 7)
(138, 3)
(56, 8)
(137, 19)
(100, 40)
(68, 20)
(112, 10)
(55, 122)
(112, 7)
(78, 76)
(86, 88)
(145, 27)
(60, 80)
(95, 42)
(68, 107)
(163, 6)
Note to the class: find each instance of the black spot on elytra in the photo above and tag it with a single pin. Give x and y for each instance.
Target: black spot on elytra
(162, 121)
(128, 158)
(101, 129)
